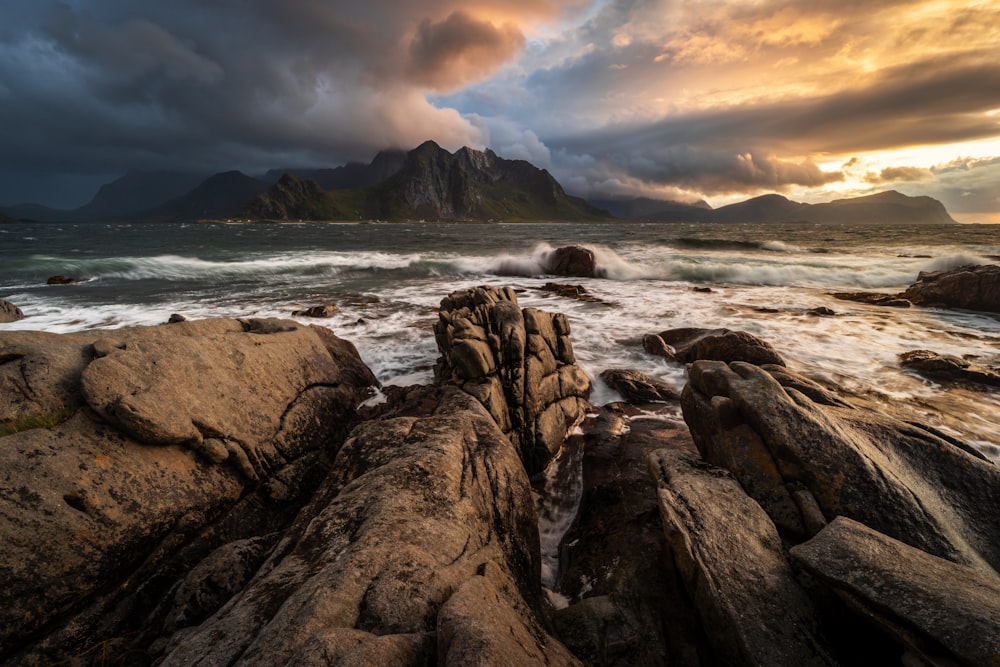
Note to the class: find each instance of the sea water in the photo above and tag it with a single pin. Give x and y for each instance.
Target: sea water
(388, 280)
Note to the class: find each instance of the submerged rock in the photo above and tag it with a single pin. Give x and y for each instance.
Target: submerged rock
(327, 310)
(61, 280)
(873, 298)
(690, 344)
(637, 387)
(948, 368)
(973, 287)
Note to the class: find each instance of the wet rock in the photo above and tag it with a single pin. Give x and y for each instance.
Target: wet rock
(138, 452)
(732, 563)
(61, 280)
(426, 517)
(690, 344)
(873, 298)
(821, 311)
(328, 310)
(703, 290)
(896, 477)
(518, 363)
(9, 312)
(637, 387)
(948, 368)
(944, 612)
(577, 292)
(175, 318)
(973, 287)
(572, 260)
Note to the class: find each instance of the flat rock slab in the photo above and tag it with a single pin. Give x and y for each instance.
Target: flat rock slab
(731, 559)
(973, 287)
(946, 612)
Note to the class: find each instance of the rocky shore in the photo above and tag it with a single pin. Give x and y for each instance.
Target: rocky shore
(243, 492)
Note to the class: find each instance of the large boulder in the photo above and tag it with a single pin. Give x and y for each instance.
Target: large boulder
(809, 458)
(973, 287)
(573, 260)
(948, 368)
(9, 312)
(134, 453)
(732, 562)
(691, 344)
(422, 541)
(944, 612)
(518, 363)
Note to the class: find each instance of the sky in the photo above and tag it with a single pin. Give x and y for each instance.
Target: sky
(718, 100)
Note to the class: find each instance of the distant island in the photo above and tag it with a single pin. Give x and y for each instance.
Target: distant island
(430, 183)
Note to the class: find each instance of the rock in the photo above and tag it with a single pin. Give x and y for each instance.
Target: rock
(731, 561)
(9, 312)
(627, 605)
(637, 387)
(873, 298)
(328, 310)
(572, 260)
(821, 311)
(486, 622)
(897, 478)
(175, 318)
(703, 290)
(945, 612)
(690, 344)
(518, 364)
(973, 287)
(61, 280)
(138, 452)
(425, 518)
(948, 368)
(577, 292)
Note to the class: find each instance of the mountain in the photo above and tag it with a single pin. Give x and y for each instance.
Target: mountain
(4, 220)
(351, 175)
(434, 184)
(220, 196)
(644, 208)
(888, 207)
(430, 184)
(137, 191)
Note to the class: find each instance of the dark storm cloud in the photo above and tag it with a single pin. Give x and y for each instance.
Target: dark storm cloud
(460, 49)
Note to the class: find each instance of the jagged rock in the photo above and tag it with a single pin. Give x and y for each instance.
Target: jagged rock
(973, 287)
(518, 364)
(637, 387)
(945, 612)
(690, 344)
(61, 280)
(572, 260)
(426, 515)
(9, 312)
(731, 560)
(873, 298)
(328, 310)
(948, 368)
(800, 457)
(138, 451)
(578, 292)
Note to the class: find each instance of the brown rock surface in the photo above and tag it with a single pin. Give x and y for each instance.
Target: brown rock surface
(807, 461)
(572, 260)
(637, 387)
(518, 364)
(427, 515)
(973, 287)
(945, 612)
(133, 447)
(948, 368)
(732, 563)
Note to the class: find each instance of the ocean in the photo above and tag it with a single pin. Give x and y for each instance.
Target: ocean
(388, 279)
